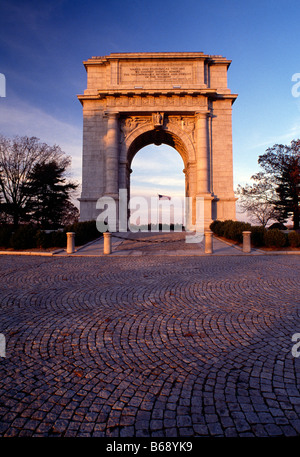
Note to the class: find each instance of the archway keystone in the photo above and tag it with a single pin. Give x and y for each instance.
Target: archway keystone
(179, 99)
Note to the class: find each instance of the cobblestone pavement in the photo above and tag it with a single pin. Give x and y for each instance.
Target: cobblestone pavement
(149, 346)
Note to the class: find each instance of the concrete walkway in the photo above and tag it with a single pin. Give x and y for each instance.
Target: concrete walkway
(157, 244)
(167, 244)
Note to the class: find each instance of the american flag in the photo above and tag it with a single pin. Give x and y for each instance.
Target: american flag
(163, 197)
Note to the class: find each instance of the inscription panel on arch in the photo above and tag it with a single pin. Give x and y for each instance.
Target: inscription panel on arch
(156, 73)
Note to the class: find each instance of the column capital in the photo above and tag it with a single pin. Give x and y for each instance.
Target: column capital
(112, 114)
(202, 114)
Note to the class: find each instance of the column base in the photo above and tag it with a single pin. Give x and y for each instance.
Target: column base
(204, 203)
(224, 208)
(88, 211)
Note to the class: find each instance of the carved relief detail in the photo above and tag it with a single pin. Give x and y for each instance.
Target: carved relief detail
(153, 101)
(185, 123)
(129, 124)
(158, 120)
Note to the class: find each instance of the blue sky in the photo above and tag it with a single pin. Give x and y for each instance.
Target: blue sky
(43, 44)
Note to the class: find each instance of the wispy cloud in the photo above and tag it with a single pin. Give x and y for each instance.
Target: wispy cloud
(20, 118)
(160, 181)
(156, 170)
(283, 138)
(160, 158)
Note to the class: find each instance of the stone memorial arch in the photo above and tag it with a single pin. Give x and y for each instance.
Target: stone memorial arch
(179, 99)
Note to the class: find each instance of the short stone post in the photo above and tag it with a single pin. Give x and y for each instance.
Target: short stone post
(107, 243)
(70, 242)
(208, 242)
(246, 242)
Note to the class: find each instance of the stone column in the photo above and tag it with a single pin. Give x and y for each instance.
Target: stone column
(70, 242)
(107, 243)
(112, 155)
(208, 242)
(246, 242)
(190, 194)
(203, 165)
(122, 175)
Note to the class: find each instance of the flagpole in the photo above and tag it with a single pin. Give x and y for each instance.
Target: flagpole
(157, 219)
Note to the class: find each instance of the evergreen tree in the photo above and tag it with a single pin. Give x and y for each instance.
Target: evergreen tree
(48, 194)
(282, 167)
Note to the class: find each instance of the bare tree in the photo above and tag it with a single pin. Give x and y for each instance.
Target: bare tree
(258, 199)
(18, 156)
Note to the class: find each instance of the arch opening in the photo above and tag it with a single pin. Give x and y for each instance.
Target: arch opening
(157, 177)
(157, 137)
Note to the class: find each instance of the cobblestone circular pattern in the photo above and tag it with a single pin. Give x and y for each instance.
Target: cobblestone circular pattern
(149, 346)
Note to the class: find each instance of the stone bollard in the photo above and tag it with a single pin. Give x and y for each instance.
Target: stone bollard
(70, 242)
(246, 242)
(107, 243)
(208, 242)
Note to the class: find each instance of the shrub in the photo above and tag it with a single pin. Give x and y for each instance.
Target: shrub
(260, 236)
(84, 232)
(29, 236)
(216, 227)
(278, 225)
(257, 235)
(24, 237)
(5, 235)
(235, 230)
(232, 230)
(58, 239)
(226, 229)
(275, 238)
(42, 239)
(54, 239)
(294, 239)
